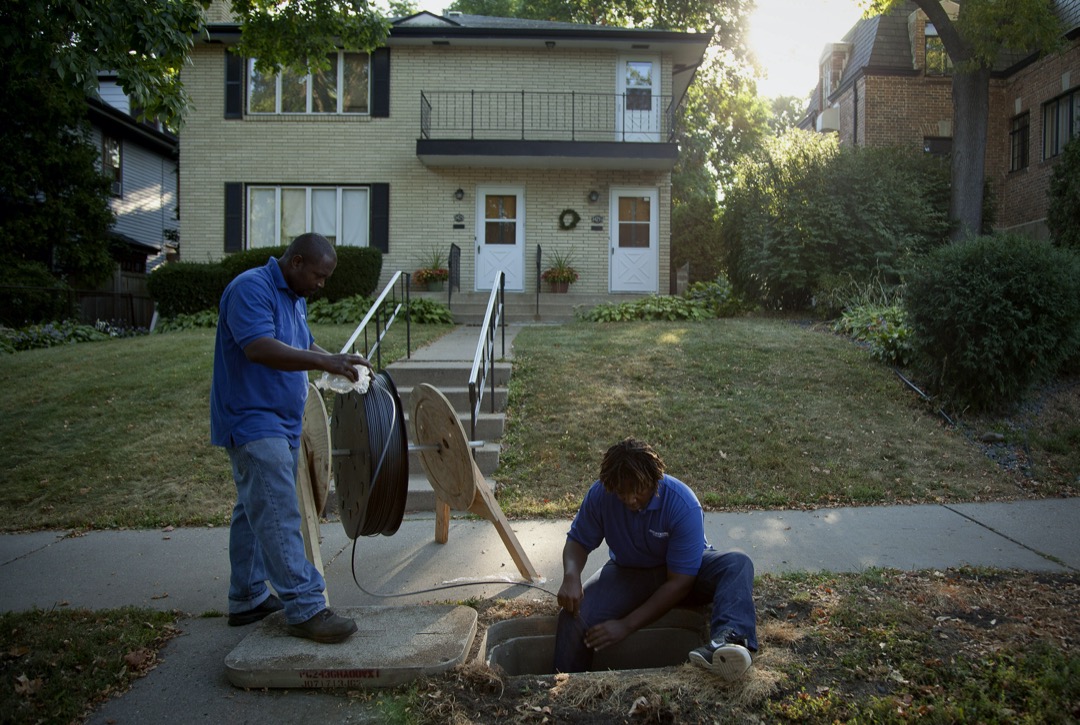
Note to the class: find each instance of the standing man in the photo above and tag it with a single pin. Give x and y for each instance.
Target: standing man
(658, 558)
(261, 357)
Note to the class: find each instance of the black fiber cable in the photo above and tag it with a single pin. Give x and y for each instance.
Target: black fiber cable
(383, 507)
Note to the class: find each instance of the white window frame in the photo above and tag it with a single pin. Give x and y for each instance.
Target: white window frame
(115, 173)
(364, 230)
(309, 90)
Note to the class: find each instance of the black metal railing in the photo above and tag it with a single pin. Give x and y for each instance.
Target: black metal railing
(535, 116)
(393, 299)
(483, 365)
(454, 264)
(539, 274)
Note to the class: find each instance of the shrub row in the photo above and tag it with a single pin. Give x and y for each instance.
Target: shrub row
(189, 287)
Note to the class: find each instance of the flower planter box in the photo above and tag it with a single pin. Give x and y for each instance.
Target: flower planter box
(559, 287)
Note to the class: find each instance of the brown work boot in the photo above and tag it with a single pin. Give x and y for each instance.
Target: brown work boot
(325, 627)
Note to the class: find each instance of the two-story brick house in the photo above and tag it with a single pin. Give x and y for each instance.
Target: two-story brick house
(887, 82)
(476, 131)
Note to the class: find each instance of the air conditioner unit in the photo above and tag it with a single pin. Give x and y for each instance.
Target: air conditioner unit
(828, 120)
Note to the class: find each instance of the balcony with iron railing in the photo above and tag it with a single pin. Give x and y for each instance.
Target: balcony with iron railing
(552, 130)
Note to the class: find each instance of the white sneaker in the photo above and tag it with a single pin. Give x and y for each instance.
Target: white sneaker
(728, 660)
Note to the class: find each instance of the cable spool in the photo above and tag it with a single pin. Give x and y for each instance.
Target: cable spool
(371, 464)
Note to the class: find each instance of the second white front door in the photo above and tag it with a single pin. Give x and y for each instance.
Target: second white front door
(635, 240)
(500, 236)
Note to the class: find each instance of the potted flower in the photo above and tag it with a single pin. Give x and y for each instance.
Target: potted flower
(561, 274)
(434, 273)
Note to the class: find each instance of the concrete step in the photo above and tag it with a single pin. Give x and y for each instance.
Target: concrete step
(459, 399)
(489, 426)
(422, 496)
(486, 457)
(442, 374)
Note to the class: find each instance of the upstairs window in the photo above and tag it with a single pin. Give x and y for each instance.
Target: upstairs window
(1061, 121)
(938, 62)
(1019, 136)
(112, 163)
(341, 88)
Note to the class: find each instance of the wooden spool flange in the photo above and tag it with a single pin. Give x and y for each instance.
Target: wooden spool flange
(448, 463)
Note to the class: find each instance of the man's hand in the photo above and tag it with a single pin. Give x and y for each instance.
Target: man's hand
(606, 634)
(345, 364)
(570, 594)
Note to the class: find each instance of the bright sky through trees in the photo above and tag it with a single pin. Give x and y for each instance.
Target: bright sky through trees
(787, 36)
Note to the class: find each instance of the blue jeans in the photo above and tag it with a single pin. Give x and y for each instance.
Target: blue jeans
(265, 543)
(726, 580)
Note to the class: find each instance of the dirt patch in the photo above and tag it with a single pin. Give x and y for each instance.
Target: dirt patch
(877, 646)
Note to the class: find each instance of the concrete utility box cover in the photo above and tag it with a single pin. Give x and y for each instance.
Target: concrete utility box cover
(393, 645)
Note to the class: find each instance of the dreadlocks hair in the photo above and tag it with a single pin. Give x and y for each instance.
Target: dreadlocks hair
(630, 466)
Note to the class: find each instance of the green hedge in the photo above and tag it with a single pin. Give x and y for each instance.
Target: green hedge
(993, 316)
(1063, 211)
(188, 287)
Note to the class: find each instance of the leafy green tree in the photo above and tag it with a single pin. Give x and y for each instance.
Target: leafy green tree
(786, 112)
(974, 40)
(1063, 212)
(54, 212)
(805, 212)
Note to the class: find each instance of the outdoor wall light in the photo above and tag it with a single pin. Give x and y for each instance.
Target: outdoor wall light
(550, 44)
(594, 196)
(459, 194)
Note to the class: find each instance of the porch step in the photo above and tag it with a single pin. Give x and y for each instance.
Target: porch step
(441, 374)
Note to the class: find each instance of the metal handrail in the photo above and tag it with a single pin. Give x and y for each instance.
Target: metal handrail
(375, 312)
(539, 255)
(484, 359)
(454, 265)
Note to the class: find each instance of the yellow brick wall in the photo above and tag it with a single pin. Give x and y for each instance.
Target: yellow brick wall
(347, 150)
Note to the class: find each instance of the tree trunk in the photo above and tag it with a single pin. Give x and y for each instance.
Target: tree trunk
(971, 110)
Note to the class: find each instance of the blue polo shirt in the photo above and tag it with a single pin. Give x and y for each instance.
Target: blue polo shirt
(249, 401)
(669, 531)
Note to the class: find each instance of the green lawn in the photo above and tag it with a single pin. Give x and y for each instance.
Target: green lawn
(752, 413)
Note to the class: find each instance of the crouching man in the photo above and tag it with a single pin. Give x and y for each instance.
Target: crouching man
(658, 558)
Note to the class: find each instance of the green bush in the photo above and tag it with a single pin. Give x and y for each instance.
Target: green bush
(188, 321)
(31, 294)
(429, 312)
(993, 316)
(186, 287)
(49, 334)
(1063, 212)
(884, 329)
(357, 271)
(803, 210)
(649, 308)
(718, 296)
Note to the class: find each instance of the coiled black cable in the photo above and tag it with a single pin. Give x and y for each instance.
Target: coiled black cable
(383, 505)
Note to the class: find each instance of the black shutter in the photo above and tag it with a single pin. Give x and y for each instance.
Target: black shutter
(234, 217)
(379, 218)
(234, 85)
(380, 83)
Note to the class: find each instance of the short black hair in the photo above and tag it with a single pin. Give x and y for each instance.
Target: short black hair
(630, 466)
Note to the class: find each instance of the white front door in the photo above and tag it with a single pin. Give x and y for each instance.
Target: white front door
(500, 236)
(635, 240)
(639, 113)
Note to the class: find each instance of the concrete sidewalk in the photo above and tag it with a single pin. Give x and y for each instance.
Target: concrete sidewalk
(188, 569)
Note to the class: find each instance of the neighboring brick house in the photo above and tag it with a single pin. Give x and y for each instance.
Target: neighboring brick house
(462, 129)
(887, 82)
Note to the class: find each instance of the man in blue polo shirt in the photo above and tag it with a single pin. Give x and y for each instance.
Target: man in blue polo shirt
(658, 558)
(261, 357)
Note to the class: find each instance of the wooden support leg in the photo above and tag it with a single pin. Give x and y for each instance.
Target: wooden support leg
(309, 517)
(442, 520)
(487, 506)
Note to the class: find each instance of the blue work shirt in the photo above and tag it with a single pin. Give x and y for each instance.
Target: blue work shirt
(669, 531)
(250, 401)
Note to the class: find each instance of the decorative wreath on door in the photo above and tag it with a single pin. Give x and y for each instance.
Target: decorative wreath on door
(568, 219)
